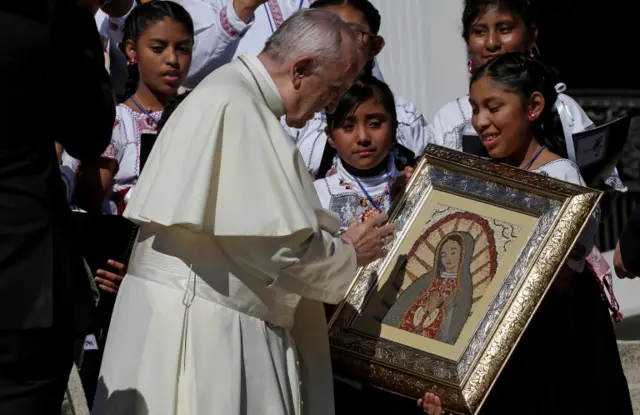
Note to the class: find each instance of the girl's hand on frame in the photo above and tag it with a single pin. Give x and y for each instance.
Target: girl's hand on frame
(431, 404)
(401, 182)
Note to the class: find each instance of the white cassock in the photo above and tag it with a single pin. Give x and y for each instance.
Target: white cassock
(234, 247)
(222, 36)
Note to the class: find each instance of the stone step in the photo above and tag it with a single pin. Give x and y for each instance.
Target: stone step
(630, 358)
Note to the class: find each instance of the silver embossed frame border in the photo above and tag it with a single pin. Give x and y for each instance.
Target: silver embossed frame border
(561, 209)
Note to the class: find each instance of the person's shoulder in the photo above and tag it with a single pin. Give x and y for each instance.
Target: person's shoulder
(455, 111)
(562, 169)
(323, 189)
(123, 114)
(407, 111)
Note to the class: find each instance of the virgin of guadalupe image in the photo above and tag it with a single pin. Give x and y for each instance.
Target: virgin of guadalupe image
(438, 304)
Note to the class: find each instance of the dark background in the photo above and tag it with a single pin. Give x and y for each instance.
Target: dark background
(592, 44)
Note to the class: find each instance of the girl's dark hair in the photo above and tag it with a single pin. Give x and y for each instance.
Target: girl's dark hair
(364, 88)
(368, 10)
(520, 74)
(139, 20)
(517, 8)
(170, 108)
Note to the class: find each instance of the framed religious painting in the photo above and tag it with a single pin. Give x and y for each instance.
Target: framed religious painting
(476, 246)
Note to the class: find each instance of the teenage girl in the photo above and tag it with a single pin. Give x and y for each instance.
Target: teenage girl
(567, 360)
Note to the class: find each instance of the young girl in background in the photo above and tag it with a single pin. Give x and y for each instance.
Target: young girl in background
(567, 360)
(158, 43)
(362, 131)
(410, 134)
(490, 29)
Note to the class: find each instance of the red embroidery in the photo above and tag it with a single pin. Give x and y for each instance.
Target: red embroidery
(226, 24)
(110, 152)
(116, 123)
(602, 272)
(278, 18)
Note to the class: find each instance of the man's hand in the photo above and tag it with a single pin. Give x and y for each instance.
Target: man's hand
(108, 281)
(367, 238)
(245, 8)
(618, 265)
(401, 182)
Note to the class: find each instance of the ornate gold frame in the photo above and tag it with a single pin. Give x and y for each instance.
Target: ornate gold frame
(561, 209)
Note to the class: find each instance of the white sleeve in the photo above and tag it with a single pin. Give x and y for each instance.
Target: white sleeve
(116, 26)
(115, 150)
(218, 30)
(440, 133)
(412, 129)
(318, 266)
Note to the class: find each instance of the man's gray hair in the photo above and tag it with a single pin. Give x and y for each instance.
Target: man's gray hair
(309, 32)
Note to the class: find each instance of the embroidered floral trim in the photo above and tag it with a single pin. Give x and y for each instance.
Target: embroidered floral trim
(278, 18)
(226, 24)
(110, 152)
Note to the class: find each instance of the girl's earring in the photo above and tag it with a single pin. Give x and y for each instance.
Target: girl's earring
(470, 65)
(532, 116)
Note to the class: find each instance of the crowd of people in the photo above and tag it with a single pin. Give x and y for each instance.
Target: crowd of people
(245, 171)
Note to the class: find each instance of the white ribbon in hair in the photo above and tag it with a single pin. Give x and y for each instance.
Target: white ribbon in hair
(567, 122)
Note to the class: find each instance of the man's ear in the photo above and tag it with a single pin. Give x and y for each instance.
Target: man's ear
(300, 69)
(377, 44)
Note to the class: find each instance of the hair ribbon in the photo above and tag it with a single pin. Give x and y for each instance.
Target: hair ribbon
(567, 121)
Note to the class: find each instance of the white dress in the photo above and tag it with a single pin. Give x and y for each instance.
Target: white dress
(453, 121)
(222, 36)
(348, 196)
(312, 139)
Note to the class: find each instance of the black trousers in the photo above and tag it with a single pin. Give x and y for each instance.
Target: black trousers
(34, 370)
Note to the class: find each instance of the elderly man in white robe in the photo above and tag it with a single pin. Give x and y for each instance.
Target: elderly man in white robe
(220, 312)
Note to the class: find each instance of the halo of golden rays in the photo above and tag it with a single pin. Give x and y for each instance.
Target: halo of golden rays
(483, 263)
